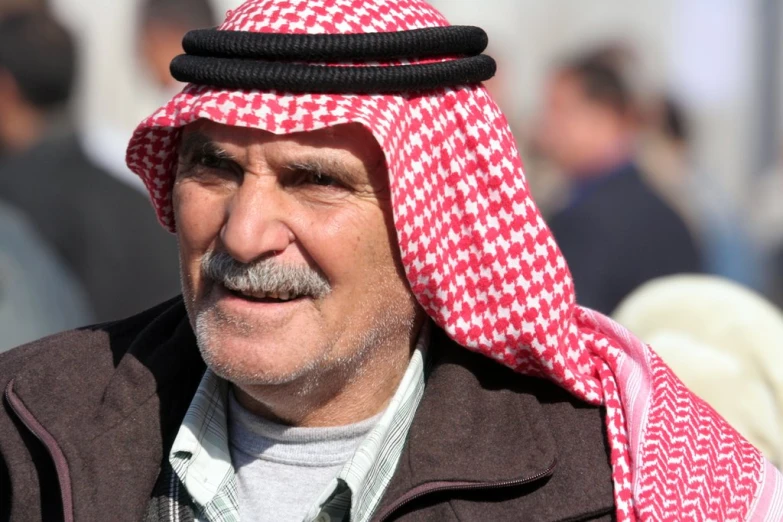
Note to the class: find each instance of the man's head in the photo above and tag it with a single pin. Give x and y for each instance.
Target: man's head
(37, 70)
(437, 192)
(291, 270)
(162, 23)
(587, 118)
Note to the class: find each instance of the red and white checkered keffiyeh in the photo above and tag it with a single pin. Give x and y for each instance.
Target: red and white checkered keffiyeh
(484, 265)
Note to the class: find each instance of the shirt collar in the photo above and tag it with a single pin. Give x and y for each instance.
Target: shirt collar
(369, 471)
(200, 453)
(201, 457)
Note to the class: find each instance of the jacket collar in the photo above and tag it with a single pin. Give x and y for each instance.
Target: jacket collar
(481, 426)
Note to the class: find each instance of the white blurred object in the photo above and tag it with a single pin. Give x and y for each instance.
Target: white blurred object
(726, 344)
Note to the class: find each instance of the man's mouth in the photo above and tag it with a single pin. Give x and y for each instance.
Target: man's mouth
(265, 297)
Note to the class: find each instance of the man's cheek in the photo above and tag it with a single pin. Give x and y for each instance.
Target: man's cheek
(198, 216)
(196, 236)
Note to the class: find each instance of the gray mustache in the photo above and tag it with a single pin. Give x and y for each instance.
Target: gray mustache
(264, 275)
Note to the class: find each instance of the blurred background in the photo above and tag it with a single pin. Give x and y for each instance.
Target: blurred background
(650, 131)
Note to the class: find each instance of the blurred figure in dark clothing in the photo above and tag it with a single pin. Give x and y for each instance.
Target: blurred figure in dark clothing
(615, 232)
(99, 227)
(38, 294)
(37, 69)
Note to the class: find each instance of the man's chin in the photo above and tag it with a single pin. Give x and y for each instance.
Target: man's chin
(236, 365)
(246, 356)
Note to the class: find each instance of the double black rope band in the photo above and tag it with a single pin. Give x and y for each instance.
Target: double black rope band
(417, 43)
(232, 73)
(335, 63)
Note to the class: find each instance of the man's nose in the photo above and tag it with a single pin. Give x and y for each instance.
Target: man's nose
(256, 224)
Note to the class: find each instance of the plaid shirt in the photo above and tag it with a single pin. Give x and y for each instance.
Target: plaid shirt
(201, 459)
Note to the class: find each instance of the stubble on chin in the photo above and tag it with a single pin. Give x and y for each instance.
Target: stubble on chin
(215, 330)
(373, 348)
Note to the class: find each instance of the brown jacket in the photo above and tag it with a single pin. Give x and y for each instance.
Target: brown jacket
(89, 415)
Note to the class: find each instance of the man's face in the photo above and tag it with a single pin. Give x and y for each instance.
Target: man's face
(290, 265)
(574, 131)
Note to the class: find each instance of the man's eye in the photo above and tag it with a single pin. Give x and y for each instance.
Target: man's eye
(211, 161)
(313, 178)
(322, 180)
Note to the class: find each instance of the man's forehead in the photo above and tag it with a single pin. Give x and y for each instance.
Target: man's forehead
(348, 136)
(341, 147)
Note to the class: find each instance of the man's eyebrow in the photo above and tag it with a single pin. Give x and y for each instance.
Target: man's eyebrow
(324, 165)
(193, 142)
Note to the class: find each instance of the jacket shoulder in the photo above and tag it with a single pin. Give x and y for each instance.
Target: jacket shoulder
(88, 341)
(86, 390)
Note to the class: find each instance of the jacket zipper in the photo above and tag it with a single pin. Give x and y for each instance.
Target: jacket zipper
(52, 448)
(460, 486)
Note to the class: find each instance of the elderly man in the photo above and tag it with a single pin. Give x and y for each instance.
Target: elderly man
(360, 260)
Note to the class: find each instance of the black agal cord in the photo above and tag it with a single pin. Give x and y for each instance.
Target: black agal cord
(332, 63)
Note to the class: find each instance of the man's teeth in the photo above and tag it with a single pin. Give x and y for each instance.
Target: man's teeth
(282, 296)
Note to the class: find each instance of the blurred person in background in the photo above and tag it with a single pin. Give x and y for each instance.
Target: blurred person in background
(38, 293)
(615, 231)
(33, 94)
(99, 228)
(666, 161)
(159, 28)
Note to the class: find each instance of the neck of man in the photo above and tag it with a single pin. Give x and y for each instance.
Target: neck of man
(341, 396)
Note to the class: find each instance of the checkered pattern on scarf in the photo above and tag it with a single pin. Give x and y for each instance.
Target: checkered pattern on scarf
(483, 264)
